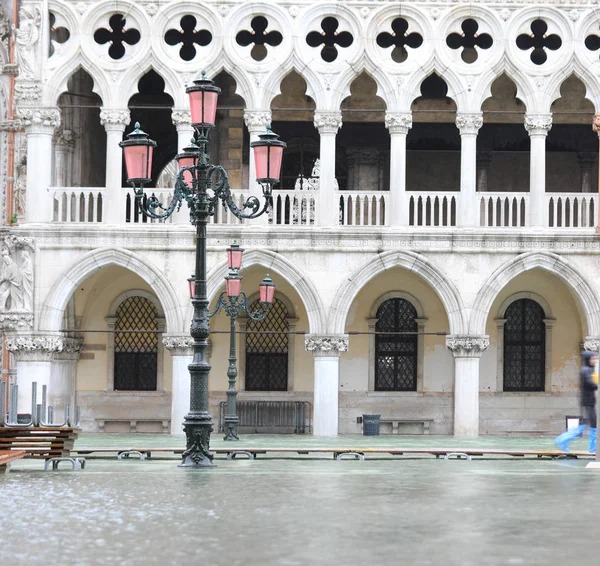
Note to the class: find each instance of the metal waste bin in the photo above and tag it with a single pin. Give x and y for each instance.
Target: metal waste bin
(371, 425)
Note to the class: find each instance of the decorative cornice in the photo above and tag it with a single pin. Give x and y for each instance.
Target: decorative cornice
(28, 92)
(467, 346)
(469, 123)
(39, 347)
(10, 125)
(257, 120)
(538, 124)
(45, 117)
(326, 346)
(182, 119)
(178, 344)
(591, 343)
(398, 122)
(13, 241)
(328, 122)
(596, 124)
(16, 321)
(115, 119)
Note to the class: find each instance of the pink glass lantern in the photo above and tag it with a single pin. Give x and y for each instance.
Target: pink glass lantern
(267, 290)
(268, 154)
(234, 257)
(203, 96)
(192, 285)
(188, 158)
(138, 150)
(233, 284)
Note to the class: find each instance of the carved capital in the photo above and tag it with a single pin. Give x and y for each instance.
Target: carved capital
(179, 344)
(27, 92)
(36, 347)
(398, 122)
(115, 119)
(467, 346)
(538, 124)
(257, 120)
(326, 346)
(469, 123)
(16, 321)
(45, 118)
(328, 122)
(596, 124)
(591, 343)
(182, 119)
(10, 125)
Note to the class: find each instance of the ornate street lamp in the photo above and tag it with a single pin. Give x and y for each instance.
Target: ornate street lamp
(203, 186)
(234, 301)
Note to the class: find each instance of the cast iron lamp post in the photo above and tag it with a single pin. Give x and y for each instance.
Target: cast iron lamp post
(202, 185)
(234, 301)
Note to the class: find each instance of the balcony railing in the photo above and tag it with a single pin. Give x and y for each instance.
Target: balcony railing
(572, 210)
(432, 209)
(363, 208)
(503, 210)
(77, 204)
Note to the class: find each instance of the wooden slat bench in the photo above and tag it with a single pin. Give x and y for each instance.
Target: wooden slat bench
(39, 443)
(398, 421)
(165, 423)
(8, 456)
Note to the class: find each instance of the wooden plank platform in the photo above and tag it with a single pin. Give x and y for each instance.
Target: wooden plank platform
(39, 442)
(8, 456)
(344, 450)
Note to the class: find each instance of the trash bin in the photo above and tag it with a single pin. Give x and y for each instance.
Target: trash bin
(371, 425)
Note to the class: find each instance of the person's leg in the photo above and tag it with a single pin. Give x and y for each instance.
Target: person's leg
(563, 440)
(591, 414)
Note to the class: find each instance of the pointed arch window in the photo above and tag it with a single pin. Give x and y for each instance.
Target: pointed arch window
(524, 346)
(136, 353)
(396, 355)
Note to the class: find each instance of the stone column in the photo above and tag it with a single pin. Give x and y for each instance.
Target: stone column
(114, 121)
(328, 124)
(63, 151)
(596, 128)
(40, 124)
(63, 378)
(586, 162)
(538, 126)
(256, 122)
(183, 123)
(468, 125)
(326, 351)
(180, 346)
(466, 351)
(33, 354)
(484, 160)
(398, 123)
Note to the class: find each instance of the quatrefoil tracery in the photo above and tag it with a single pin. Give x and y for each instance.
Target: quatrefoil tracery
(57, 34)
(117, 36)
(259, 38)
(400, 39)
(539, 42)
(469, 40)
(188, 36)
(592, 42)
(329, 38)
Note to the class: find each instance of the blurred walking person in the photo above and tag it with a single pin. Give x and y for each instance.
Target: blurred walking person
(589, 384)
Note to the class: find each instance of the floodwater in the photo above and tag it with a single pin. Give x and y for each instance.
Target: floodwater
(302, 511)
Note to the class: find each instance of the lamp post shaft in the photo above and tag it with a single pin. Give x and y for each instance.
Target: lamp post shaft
(231, 418)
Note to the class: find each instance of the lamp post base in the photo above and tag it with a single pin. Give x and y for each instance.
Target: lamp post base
(197, 453)
(231, 424)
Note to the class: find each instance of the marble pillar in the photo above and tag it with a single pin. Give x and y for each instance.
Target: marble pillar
(256, 122)
(468, 125)
(180, 347)
(537, 126)
(398, 124)
(328, 124)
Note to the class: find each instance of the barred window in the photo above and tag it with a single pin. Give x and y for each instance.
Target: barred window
(267, 354)
(524, 347)
(396, 354)
(136, 353)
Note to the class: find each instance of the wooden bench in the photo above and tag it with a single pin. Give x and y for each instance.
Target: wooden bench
(398, 421)
(39, 443)
(8, 456)
(165, 423)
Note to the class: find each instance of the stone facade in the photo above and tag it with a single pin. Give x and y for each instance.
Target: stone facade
(459, 179)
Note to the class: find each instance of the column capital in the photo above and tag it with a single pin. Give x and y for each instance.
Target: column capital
(182, 119)
(469, 123)
(115, 119)
(596, 124)
(257, 120)
(326, 346)
(538, 124)
(592, 343)
(41, 347)
(178, 344)
(398, 122)
(328, 122)
(39, 119)
(463, 346)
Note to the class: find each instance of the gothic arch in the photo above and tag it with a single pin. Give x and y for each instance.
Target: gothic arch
(585, 296)
(66, 283)
(410, 261)
(294, 276)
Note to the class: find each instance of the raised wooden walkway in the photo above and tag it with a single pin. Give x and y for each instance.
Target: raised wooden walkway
(39, 443)
(338, 452)
(8, 456)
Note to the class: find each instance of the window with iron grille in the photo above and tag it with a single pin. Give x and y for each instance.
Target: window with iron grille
(136, 353)
(267, 354)
(524, 347)
(396, 354)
